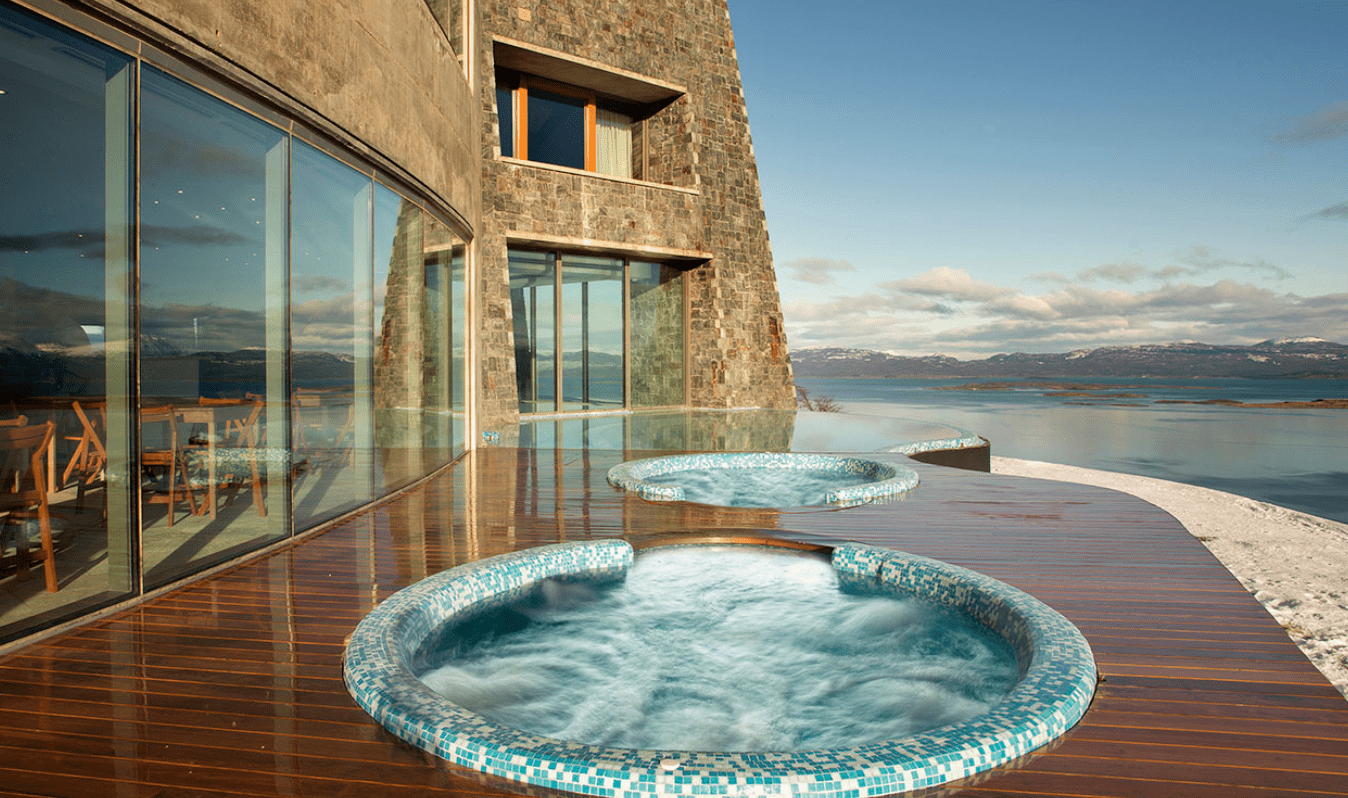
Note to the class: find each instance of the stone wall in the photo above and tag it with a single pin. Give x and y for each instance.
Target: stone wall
(700, 192)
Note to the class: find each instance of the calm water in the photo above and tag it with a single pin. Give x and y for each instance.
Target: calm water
(680, 657)
(1294, 458)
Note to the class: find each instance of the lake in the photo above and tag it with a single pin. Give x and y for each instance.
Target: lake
(1294, 458)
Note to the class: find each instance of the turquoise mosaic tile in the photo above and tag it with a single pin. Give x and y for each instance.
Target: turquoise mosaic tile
(1057, 683)
(886, 481)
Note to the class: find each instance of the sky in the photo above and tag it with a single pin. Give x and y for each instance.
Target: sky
(968, 177)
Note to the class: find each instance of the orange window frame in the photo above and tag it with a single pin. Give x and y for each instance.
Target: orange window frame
(521, 132)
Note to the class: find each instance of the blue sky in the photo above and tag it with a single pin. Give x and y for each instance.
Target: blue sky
(977, 176)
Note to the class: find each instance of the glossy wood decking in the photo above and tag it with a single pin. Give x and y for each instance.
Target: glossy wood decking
(232, 686)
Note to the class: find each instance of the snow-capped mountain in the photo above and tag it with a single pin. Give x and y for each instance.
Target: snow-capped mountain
(1306, 356)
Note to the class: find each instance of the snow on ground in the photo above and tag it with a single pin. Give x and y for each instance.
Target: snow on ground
(1295, 564)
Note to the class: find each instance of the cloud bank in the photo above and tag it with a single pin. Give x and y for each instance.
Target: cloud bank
(1201, 296)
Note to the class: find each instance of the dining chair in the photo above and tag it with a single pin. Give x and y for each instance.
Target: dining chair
(89, 461)
(23, 492)
(168, 462)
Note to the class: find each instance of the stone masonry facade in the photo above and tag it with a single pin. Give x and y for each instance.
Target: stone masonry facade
(697, 192)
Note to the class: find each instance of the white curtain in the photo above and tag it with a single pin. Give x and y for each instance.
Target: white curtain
(613, 149)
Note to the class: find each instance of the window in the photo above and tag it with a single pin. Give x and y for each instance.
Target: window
(594, 332)
(549, 122)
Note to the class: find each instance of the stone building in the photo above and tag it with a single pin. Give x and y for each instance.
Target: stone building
(656, 83)
(263, 262)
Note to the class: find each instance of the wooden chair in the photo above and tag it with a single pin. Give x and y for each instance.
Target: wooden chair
(170, 461)
(89, 461)
(89, 458)
(23, 491)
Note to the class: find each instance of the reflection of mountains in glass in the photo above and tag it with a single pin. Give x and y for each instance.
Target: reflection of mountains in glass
(604, 368)
(26, 370)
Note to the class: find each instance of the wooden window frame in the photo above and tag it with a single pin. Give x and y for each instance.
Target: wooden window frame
(521, 132)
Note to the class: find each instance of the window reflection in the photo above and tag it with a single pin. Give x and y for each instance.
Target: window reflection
(657, 345)
(330, 335)
(442, 316)
(592, 333)
(398, 342)
(212, 268)
(533, 287)
(556, 129)
(65, 215)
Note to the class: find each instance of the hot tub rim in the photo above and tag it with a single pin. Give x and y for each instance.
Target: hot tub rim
(376, 669)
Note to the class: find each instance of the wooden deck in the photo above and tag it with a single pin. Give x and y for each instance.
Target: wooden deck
(232, 686)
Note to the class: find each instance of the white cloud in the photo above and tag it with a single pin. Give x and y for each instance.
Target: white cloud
(818, 271)
(947, 283)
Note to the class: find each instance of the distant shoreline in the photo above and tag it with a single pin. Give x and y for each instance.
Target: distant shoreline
(1076, 390)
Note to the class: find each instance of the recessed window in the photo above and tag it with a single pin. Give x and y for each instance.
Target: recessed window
(594, 332)
(556, 123)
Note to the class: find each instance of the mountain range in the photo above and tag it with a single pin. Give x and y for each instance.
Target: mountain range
(1306, 357)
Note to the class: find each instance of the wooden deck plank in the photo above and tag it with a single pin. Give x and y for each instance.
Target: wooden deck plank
(232, 685)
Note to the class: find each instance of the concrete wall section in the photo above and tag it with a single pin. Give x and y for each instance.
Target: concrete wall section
(378, 76)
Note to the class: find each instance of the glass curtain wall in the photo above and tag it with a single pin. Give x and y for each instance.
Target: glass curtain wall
(268, 322)
(212, 328)
(331, 268)
(66, 178)
(618, 326)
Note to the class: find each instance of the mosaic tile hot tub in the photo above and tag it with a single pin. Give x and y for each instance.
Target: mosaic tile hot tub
(762, 479)
(1056, 684)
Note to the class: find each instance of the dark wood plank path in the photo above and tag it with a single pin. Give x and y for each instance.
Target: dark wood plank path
(232, 685)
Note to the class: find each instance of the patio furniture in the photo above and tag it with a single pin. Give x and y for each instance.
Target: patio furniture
(167, 463)
(23, 492)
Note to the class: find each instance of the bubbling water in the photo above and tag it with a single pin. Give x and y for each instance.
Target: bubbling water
(712, 648)
(758, 487)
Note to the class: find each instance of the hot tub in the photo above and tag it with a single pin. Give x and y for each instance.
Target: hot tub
(1056, 682)
(762, 479)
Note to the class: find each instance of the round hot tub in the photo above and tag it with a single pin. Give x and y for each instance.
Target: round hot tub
(1051, 681)
(762, 479)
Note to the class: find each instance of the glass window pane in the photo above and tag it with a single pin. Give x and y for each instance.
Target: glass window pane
(330, 271)
(657, 340)
(459, 332)
(556, 129)
(505, 114)
(592, 333)
(212, 346)
(442, 316)
(398, 289)
(532, 292)
(65, 221)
